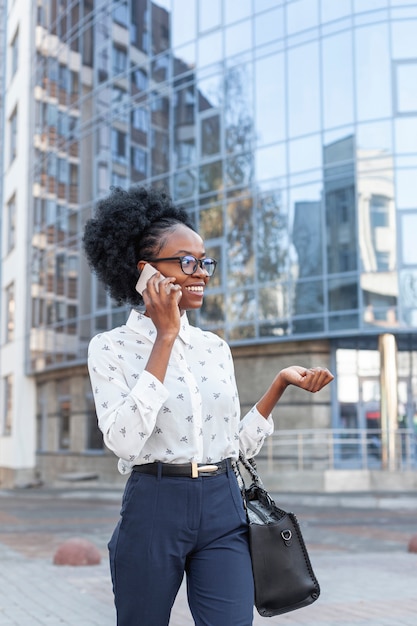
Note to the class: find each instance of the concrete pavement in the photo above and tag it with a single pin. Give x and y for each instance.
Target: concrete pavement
(358, 551)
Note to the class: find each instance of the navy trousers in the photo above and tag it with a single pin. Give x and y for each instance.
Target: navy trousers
(171, 526)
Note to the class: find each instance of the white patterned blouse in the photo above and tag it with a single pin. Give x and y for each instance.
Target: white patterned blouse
(193, 416)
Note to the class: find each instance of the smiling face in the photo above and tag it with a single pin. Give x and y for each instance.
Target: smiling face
(182, 241)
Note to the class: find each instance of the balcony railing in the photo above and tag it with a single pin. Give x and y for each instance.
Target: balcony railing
(323, 449)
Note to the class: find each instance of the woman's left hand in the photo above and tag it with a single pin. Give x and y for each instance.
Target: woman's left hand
(313, 379)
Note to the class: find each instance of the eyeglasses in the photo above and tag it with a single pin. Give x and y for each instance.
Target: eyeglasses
(189, 263)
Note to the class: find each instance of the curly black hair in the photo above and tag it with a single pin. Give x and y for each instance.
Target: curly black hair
(129, 226)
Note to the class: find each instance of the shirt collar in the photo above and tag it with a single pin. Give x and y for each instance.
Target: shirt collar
(140, 322)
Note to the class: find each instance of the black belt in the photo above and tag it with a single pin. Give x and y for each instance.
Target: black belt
(190, 470)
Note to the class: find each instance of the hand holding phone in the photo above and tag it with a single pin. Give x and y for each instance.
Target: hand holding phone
(145, 275)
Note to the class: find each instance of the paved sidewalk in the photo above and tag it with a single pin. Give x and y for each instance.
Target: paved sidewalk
(361, 560)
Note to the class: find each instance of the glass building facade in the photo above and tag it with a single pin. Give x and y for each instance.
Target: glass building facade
(287, 128)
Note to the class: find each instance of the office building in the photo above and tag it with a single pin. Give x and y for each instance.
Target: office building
(288, 130)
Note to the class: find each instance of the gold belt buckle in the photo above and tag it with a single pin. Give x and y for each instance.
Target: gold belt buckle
(195, 468)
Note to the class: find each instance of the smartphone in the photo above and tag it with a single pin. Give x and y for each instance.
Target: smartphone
(145, 275)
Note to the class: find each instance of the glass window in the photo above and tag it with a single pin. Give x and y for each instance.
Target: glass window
(238, 38)
(337, 76)
(269, 26)
(343, 293)
(118, 145)
(270, 99)
(14, 54)
(406, 88)
(271, 162)
(240, 242)
(303, 92)
(369, 5)
(235, 10)
(10, 312)
(210, 49)
(271, 236)
(301, 15)
(408, 236)
(210, 92)
(11, 223)
(210, 135)
(404, 40)
(140, 119)
(331, 10)
(211, 222)
(184, 59)
(120, 13)
(119, 59)
(6, 425)
(138, 160)
(140, 78)
(405, 187)
(184, 184)
(305, 154)
(183, 23)
(374, 137)
(405, 135)
(373, 72)
(210, 177)
(241, 306)
(13, 136)
(209, 15)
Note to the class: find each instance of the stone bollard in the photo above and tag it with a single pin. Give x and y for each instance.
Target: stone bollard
(77, 551)
(412, 545)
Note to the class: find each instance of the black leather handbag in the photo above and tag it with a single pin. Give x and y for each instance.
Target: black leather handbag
(282, 571)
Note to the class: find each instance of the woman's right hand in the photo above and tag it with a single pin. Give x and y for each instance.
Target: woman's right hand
(161, 298)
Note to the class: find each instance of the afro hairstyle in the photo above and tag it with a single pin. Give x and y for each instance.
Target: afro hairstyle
(128, 226)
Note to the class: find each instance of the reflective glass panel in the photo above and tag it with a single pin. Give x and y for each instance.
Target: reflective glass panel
(305, 154)
(303, 94)
(210, 135)
(307, 238)
(331, 10)
(404, 40)
(408, 238)
(240, 242)
(405, 187)
(369, 5)
(210, 177)
(238, 38)
(235, 10)
(212, 311)
(271, 236)
(373, 72)
(270, 162)
(274, 302)
(406, 135)
(209, 14)
(211, 223)
(241, 305)
(343, 293)
(210, 92)
(269, 26)
(337, 77)
(308, 297)
(270, 100)
(184, 59)
(406, 88)
(374, 137)
(210, 49)
(301, 14)
(238, 116)
(183, 23)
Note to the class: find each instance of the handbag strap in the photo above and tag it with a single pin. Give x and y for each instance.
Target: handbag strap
(250, 467)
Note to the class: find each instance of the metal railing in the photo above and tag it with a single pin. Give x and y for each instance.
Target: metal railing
(340, 449)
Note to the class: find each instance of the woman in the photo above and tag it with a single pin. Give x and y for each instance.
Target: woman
(168, 407)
